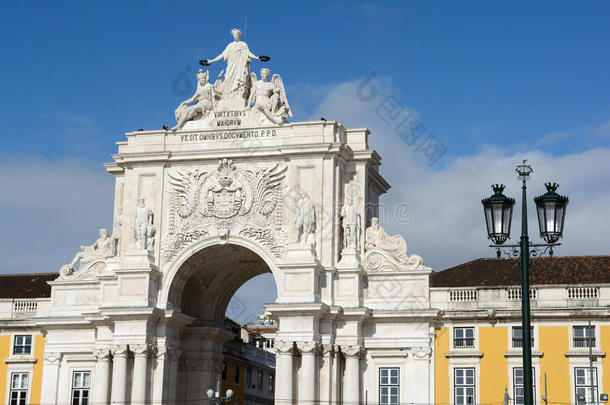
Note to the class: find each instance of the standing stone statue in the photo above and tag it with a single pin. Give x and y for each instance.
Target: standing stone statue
(238, 57)
(351, 224)
(143, 228)
(305, 225)
(204, 100)
(269, 97)
(104, 247)
(395, 245)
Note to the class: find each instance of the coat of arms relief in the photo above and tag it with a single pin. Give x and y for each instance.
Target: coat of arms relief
(229, 199)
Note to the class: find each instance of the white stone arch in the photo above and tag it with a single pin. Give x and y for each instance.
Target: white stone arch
(172, 270)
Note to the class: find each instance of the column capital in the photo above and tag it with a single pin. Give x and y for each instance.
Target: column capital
(52, 357)
(119, 350)
(142, 350)
(353, 351)
(327, 350)
(174, 353)
(284, 347)
(308, 347)
(102, 353)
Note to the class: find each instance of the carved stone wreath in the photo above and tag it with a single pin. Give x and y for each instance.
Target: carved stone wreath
(227, 200)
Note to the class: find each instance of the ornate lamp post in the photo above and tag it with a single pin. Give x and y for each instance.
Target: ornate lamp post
(551, 209)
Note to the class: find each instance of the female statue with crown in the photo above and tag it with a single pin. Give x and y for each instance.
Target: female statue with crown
(238, 57)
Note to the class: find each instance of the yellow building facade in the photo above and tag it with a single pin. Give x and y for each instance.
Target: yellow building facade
(478, 342)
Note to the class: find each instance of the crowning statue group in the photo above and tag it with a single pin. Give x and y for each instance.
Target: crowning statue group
(239, 89)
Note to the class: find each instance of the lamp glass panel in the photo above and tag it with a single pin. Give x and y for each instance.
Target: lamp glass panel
(549, 214)
(541, 220)
(508, 214)
(559, 218)
(497, 217)
(488, 220)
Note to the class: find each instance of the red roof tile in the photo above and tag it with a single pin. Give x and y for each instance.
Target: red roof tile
(543, 270)
(26, 285)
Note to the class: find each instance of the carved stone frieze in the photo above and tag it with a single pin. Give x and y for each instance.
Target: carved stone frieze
(227, 200)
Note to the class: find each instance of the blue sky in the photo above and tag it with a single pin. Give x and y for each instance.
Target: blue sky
(494, 82)
(500, 73)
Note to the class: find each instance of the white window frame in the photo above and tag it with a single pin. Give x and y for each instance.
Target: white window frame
(473, 385)
(464, 328)
(586, 387)
(532, 337)
(15, 346)
(80, 388)
(390, 384)
(20, 389)
(515, 385)
(586, 347)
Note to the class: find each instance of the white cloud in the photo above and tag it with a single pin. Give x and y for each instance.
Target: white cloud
(446, 224)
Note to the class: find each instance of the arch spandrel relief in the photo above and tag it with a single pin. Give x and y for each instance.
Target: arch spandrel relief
(230, 198)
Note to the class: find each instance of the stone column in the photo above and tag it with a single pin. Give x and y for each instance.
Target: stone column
(307, 374)
(161, 376)
(351, 386)
(119, 374)
(174, 356)
(327, 355)
(101, 384)
(140, 374)
(50, 371)
(283, 372)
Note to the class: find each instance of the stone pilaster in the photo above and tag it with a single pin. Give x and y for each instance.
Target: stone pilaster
(118, 393)
(307, 374)
(140, 373)
(351, 387)
(284, 369)
(101, 385)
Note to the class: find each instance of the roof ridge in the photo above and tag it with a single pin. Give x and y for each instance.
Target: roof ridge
(28, 274)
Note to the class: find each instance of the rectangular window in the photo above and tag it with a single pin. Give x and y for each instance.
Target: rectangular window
(389, 386)
(583, 336)
(224, 371)
(582, 382)
(464, 386)
(81, 381)
(249, 378)
(518, 336)
(518, 390)
(463, 338)
(236, 375)
(271, 383)
(19, 388)
(23, 344)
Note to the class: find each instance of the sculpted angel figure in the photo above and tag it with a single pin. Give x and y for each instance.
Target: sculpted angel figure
(269, 97)
(238, 57)
(395, 245)
(204, 99)
(102, 248)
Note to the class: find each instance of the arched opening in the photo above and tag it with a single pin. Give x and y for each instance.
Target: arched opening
(202, 288)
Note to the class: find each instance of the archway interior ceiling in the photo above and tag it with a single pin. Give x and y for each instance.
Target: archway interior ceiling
(209, 279)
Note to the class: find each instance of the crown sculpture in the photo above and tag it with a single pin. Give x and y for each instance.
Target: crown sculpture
(236, 98)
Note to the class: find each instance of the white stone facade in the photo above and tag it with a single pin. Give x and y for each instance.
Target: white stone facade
(213, 210)
(234, 191)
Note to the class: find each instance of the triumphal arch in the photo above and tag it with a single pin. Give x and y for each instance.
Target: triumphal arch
(235, 190)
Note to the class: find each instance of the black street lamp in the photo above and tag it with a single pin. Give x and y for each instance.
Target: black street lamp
(551, 209)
